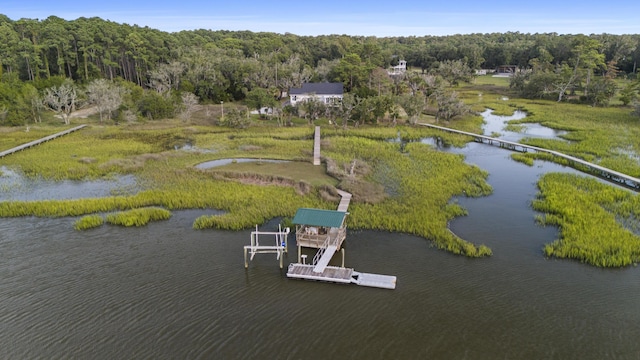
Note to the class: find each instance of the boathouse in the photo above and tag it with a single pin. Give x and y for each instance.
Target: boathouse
(324, 230)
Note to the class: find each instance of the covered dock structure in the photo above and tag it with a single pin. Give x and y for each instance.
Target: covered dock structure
(320, 229)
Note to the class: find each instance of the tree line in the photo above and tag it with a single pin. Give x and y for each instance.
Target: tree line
(153, 70)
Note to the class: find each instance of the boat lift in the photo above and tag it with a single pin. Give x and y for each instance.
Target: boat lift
(279, 247)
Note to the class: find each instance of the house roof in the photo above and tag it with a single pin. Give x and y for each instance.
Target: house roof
(318, 89)
(318, 217)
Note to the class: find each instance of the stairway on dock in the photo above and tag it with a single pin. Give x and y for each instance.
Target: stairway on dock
(327, 254)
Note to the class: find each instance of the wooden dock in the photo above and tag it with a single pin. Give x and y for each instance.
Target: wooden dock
(341, 275)
(600, 171)
(311, 233)
(330, 273)
(344, 201)
(39, 141)
(316, 146)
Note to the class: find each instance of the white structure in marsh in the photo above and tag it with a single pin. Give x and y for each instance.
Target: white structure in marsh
(327, 93)
(401, 68)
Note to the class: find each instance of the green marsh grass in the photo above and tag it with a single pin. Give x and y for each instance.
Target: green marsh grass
(138, 217)
(88, 222)
(419, 180)
(598, 223)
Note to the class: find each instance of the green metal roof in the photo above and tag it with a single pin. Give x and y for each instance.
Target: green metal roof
(318, 217)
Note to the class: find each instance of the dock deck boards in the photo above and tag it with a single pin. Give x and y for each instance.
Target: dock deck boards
(330, 273)
(341, 275)
(316, 146)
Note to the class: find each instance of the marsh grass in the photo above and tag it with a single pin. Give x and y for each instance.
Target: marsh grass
(595, 220)
(293, 171)
(523, 158)
(88, 222)
(423, 181)
(405, 191)
(138, 217)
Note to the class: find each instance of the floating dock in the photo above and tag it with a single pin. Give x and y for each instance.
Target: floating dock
(341, 275)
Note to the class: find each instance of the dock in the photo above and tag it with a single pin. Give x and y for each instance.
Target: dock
(341, 275)
(316, 146)
(600, 171)
(345, 200)
(39, 141)
(323, 230)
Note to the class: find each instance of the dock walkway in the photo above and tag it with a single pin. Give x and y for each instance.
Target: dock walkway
(320, 270)
(39, 141)
(341, 275)
(316, 146)
(344, 201)
(601, 171)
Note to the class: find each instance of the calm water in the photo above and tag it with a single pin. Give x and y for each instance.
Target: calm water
(166, 291)
(14, 186)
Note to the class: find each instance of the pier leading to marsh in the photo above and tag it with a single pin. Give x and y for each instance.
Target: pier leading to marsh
(597, 170)
(39, 141)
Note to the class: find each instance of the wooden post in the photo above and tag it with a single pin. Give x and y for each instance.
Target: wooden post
(342, 251)
(246, 264)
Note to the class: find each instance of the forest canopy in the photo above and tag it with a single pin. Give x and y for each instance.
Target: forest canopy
(217, 66)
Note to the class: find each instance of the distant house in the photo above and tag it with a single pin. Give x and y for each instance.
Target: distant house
(401, 68)
(327, 93)
(506, 70)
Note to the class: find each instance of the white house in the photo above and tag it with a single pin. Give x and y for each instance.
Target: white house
(327, 93)
(401, 68)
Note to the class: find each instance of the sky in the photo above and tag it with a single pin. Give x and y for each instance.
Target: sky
(350, 17)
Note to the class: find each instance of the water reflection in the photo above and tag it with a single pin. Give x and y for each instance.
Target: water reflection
(494, 126)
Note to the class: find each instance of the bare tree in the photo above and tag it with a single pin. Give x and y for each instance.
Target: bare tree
(449, 106)
(166, 77)
(62, 100)
(37, 106)
(106, 96)
(189, 104)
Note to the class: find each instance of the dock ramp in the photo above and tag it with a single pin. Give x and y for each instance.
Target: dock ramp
(325, 258)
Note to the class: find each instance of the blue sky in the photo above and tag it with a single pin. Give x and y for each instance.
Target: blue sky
(351, 17)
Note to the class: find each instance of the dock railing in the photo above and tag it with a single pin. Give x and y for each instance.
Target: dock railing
(334, 235)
